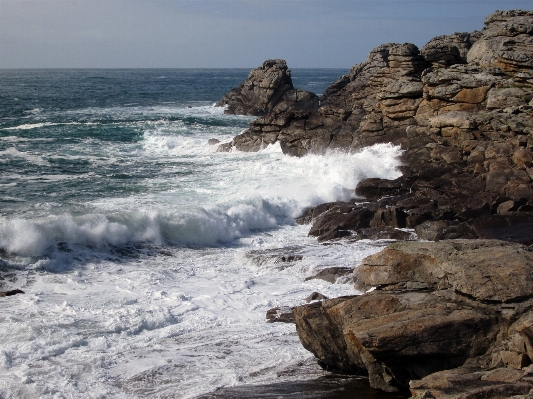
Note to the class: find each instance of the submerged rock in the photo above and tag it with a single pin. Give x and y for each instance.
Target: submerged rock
(11, 292)
(331, 274)
(278, 257)
(281, 314)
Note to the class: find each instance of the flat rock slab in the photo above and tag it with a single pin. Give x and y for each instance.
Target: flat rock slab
(469, 382)
(435, 306)
(488, 270)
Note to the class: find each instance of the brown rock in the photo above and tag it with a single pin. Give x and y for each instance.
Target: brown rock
(380, 331)
(467, 382)
(453, 264)
(331, 274)
(348, 218)
(315, 296)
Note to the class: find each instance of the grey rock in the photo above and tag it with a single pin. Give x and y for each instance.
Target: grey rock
(268, 88)
(281, 314)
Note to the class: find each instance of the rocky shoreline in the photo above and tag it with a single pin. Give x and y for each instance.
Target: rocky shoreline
(450, 318)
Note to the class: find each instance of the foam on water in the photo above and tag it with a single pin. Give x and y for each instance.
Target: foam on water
(243, 193)
(131, 239)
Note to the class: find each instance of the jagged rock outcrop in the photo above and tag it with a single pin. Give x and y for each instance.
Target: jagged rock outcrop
(506, 42)
(462, 111)
(268, 88)
(436, 306)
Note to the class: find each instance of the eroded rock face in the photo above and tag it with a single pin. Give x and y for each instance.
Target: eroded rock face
(506, 42)
(437, 306)
(461, 108)
(268, 88)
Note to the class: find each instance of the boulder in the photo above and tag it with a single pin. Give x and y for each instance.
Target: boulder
(315, 296)
(341, 218)
(441, 50)
(506, 42)
(11, 292)
(277, 257)
(436, 306)
(282, 314)
(331, 274)
(375, 188)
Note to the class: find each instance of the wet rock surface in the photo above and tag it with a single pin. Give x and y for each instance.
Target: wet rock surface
(332, 387)
(282, 314)
(11, 293)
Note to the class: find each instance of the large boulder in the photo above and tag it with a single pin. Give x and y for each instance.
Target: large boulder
(435, 306)
(268, 88)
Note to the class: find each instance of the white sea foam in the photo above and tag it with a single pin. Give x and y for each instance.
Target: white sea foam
(254, 192)
(13, 152)
(174, 326)
(154, 294)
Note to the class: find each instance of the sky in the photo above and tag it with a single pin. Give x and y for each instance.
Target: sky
(224, 33)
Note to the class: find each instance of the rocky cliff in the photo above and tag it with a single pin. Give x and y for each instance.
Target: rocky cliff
(461, 108)
(448, 319)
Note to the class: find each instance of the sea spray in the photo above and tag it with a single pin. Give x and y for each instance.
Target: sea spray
(130, 235)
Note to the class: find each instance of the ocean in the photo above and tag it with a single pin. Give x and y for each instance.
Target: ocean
(145, 255)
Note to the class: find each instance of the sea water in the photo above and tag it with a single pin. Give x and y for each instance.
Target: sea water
(131, 236)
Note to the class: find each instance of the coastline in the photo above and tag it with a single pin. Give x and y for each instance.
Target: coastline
(461, 108)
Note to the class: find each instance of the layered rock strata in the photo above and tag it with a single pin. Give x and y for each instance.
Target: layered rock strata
(268, 88)
(435, 306)
(448, 319)
(461, 108)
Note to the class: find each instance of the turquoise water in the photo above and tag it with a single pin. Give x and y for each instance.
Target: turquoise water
(130, 235)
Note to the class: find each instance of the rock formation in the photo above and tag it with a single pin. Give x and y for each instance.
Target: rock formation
(448, 319)
(268, 88)
(461, 108)
(436, 306)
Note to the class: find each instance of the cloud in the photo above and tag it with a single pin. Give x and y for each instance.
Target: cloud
(222, 33)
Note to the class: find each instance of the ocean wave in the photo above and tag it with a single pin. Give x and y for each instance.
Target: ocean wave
(28, 126)
(237, 195)
(13, 152)
(203, 226)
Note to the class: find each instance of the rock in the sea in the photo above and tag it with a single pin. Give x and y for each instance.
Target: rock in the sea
(11, 292)
(461, 110)
(375, 188)
(268, 88)
(282, 314)
(315, 296)
(437, 306)
(331, 274)
(277, 257)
